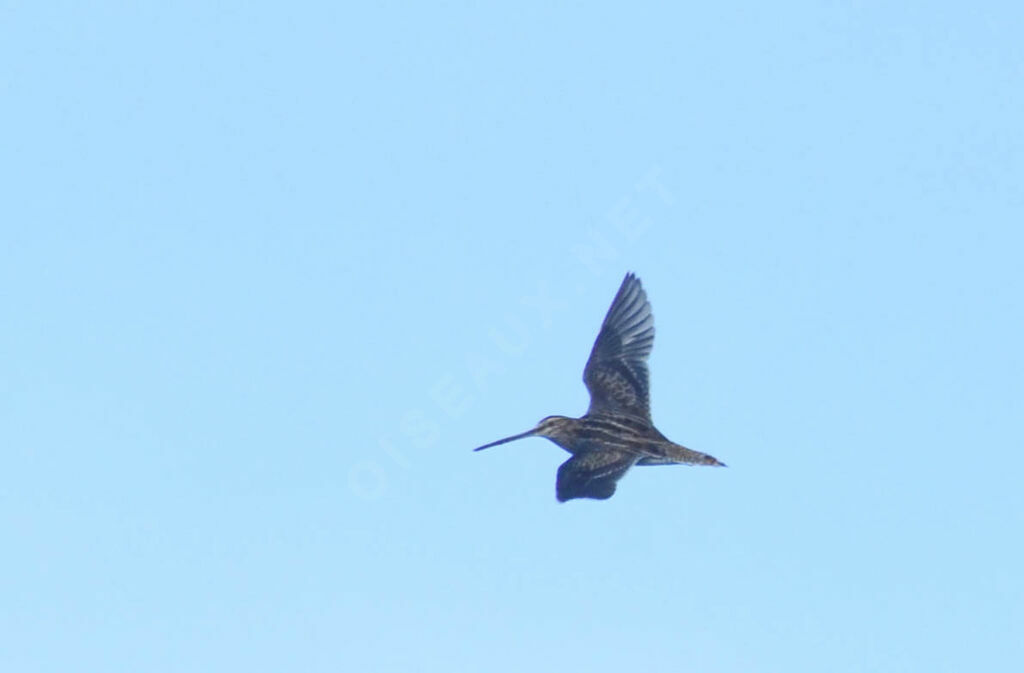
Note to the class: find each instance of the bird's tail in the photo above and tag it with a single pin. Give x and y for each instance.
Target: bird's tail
(676, 454)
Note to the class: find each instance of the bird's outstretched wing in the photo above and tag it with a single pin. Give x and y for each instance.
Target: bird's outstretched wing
(592, 474)
(616, 373)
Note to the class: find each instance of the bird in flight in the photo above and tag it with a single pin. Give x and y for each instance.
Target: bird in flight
(616, 433)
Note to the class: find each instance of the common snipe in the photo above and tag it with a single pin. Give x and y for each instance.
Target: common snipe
(616, 433)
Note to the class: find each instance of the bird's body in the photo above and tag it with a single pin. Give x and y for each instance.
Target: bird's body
(616, 433)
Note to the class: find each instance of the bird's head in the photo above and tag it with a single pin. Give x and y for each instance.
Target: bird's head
(552, 427)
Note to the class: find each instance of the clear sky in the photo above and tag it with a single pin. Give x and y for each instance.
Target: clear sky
(269, 272)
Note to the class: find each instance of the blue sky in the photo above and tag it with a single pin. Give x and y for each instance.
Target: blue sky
(269, 274)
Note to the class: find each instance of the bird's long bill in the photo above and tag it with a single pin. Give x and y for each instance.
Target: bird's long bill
(521, 435)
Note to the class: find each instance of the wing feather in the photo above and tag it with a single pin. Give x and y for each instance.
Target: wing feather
(616, 373)
(592, 474)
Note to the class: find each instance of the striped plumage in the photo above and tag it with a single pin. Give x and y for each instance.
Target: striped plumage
(616, 433)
